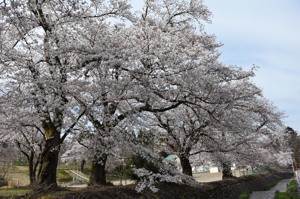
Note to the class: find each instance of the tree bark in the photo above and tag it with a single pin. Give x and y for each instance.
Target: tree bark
(98, 173)
(82, 165)
(32, 171)
(186, 165)
(49, 160)
(227, 173)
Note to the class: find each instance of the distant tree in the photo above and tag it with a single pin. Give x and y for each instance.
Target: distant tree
(293, 139)
(30, 144)
(25, 135)
(8, 153)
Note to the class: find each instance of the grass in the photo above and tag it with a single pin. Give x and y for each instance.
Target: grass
(21, 174)
(86, 171)
(280, 195)
(63, 176)
(73, 166)
(245, 195)
(14, 191)
(291, 192)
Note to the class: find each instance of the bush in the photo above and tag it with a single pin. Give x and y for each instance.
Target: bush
(136, 162)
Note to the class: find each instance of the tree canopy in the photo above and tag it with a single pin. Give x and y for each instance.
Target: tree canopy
(97, 73)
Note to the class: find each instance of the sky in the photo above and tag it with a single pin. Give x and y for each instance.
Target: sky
(264, 33)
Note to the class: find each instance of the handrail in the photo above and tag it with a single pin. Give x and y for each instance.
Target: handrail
(77, 174)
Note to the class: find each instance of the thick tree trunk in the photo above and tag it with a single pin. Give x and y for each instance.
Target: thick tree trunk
(98, 173)
(47, 175)
(49, 162)
(185, 165)
(227, 173)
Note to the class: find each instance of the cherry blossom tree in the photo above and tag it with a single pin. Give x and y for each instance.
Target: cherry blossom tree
(137, 73)
(219, 116)
(24, 133)
(41, 53)
(8, 153)
(257, 127)
(75, 67)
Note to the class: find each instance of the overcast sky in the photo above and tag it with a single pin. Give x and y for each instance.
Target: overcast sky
(265, 33)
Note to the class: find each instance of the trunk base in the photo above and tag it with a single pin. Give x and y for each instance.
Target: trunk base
(48, 165)
(98, 173)
(186, 166)
(227, 173)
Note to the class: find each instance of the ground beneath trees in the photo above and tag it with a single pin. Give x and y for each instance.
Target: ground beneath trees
(229, 189)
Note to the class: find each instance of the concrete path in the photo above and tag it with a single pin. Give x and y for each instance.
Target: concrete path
(270, 194)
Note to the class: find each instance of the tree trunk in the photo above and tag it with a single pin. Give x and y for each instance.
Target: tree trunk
(98, 174)
(49, 162)
(82, 165)
(227, 173)
(32, 174)
(185, 165)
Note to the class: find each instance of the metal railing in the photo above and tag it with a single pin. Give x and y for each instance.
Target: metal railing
(78, 176)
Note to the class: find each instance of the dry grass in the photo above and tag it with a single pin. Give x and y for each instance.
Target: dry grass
(19, 175)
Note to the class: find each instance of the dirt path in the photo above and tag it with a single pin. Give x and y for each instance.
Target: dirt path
(207, 177)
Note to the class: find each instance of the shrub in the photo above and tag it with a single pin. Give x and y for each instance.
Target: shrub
(245, 195)
(137, 162)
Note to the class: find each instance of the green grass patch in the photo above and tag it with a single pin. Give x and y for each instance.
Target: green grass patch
(291, 192)
(68, 166)
(63, 176)
(245, 195)
(86, 171)
(14, 191)
(281, 195)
